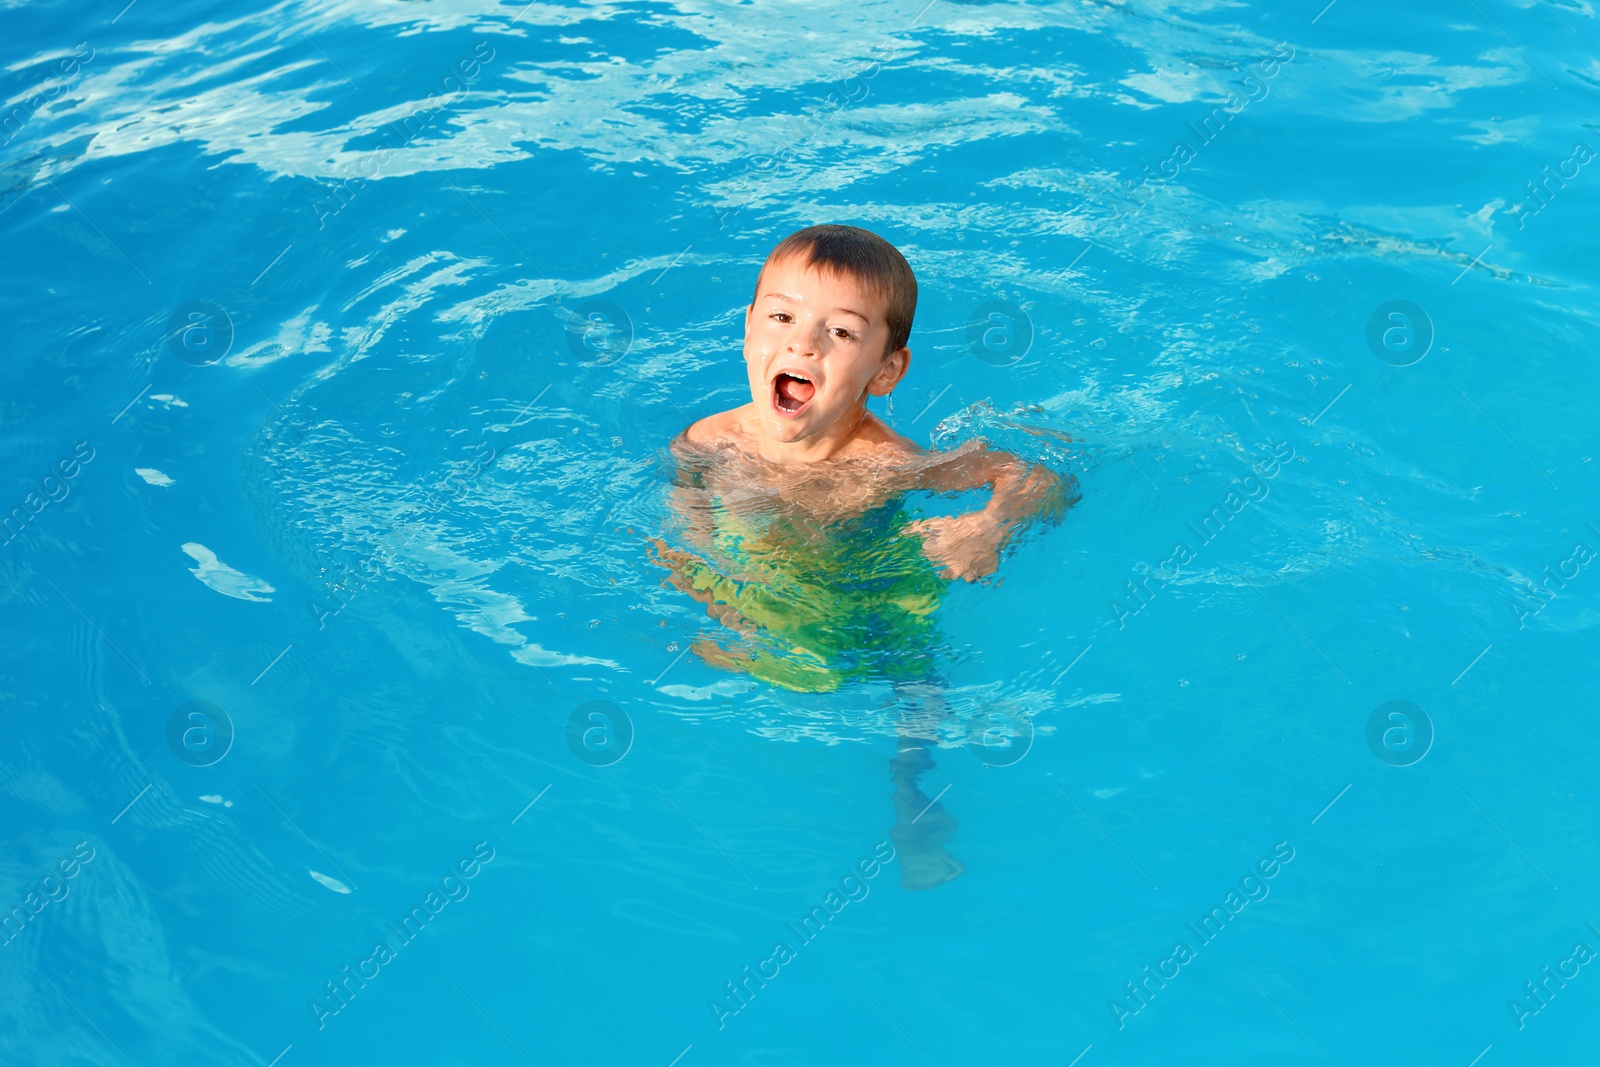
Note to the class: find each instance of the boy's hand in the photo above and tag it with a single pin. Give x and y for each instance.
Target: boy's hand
(679, 565)
(968, 545)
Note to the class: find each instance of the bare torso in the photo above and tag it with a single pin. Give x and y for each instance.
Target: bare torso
(877, 465)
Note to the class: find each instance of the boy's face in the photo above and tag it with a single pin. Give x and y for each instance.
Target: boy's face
(814, 348)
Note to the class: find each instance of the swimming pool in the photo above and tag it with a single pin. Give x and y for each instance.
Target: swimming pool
(347, 341)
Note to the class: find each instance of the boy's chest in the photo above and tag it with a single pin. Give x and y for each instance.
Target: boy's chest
(817, 497)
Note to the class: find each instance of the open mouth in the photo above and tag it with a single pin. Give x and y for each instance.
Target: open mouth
(791, 393)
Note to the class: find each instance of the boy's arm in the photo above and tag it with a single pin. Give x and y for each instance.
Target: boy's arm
(969, 545)
(1019, 490)
(687, 498)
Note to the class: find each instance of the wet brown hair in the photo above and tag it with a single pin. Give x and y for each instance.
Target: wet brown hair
(864, 256)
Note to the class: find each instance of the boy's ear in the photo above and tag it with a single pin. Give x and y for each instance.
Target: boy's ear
(894, 367)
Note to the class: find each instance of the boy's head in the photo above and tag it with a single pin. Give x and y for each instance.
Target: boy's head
(852, 252)
(827, 326)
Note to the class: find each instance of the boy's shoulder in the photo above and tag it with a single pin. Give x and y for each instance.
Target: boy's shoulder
(723, 428)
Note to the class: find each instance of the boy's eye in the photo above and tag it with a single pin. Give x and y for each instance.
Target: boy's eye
(781, 316)
(843, 334)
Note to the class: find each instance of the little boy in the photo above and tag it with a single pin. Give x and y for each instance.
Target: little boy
(794, 500)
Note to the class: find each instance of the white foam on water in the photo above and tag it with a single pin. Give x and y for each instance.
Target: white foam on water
(223, 578)
(332, 883)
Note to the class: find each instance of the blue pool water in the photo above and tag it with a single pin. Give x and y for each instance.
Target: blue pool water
(345, 344)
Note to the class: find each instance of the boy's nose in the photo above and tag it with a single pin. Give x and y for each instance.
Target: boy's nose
(808, 341)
